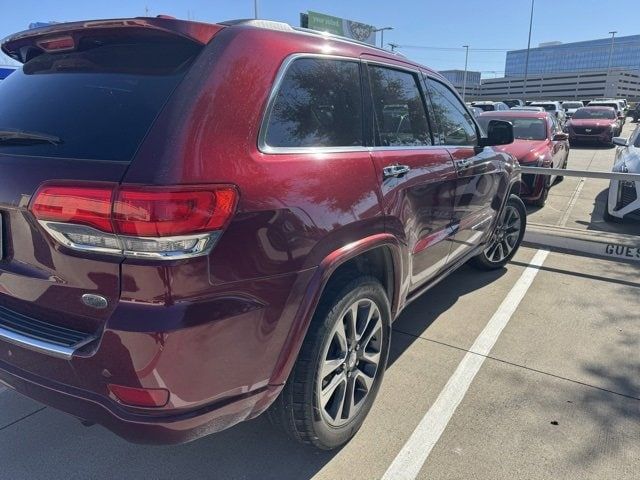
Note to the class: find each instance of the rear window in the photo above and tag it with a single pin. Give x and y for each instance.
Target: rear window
(549, 107)
(97, 102)
(594, 113)
(486, 107)
(567, 105)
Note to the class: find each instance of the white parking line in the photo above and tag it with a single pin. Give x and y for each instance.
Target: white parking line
(415, 452)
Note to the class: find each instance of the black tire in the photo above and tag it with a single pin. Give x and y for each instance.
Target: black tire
(560, 178)
(610, 218)
(484, 260)
(297, 409)
(542, 200)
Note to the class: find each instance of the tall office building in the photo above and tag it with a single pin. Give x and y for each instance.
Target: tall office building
(590, 55)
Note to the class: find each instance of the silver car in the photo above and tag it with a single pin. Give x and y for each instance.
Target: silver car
(624, 196)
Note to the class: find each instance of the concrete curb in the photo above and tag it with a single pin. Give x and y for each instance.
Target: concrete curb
(611, 246)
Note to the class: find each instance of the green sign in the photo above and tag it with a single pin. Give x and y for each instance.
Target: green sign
(340, 26)
(325, 23)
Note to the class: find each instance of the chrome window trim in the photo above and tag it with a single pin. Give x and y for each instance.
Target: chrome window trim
(263, 146)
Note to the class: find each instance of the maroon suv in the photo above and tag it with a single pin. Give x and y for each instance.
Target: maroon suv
(200, 222)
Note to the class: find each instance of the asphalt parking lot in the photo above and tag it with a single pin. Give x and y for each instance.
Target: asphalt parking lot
(531, 372)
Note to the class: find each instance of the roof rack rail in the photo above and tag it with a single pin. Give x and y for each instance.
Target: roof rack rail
(285, 27)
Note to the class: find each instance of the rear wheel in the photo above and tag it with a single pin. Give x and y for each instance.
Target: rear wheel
(340, 367)
(507, 236)
(610, 218)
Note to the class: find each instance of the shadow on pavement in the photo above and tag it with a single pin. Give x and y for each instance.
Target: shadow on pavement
(249, 450)
(420, 314)
(598, 223)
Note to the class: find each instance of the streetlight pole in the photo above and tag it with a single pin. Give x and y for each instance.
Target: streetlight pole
(526, 62)
(613, 41)
(255, 9)
(464, 80)
(381, 30)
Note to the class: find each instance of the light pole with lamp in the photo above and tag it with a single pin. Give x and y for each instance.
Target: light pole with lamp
(526, 62)
(464, 79)
(613, 42)
(381, 30)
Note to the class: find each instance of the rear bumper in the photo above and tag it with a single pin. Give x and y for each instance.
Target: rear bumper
(216, 357)
(137, 427)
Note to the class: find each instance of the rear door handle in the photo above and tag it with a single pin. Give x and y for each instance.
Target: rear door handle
(463, 164)
(395, 171)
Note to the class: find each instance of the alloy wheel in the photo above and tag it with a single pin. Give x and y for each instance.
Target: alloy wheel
(506, 235)
(350, 362)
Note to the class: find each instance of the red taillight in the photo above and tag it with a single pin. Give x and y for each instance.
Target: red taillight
(140, 397)
(163, 212)
(137, 211)
(152, 222)
(81, 205)
(57, 44)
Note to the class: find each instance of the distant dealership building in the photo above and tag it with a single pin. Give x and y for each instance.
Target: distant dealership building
(456, 77)
(583, 85)
(556, 57)
(578, 70)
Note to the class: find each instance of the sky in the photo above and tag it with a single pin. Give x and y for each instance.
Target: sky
(428, 31)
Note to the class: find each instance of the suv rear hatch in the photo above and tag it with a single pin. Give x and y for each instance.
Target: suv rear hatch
(77, 111)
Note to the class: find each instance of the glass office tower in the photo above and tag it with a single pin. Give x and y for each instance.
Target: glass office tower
(576, 57)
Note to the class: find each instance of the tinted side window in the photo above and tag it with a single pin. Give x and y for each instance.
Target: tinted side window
(318, 104)
(456, 126)
(399, 110)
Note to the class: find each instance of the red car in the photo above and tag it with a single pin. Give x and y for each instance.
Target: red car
(594, 125)
(539, 142)
(202, 222)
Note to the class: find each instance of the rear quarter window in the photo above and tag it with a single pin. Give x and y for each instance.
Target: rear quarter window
(99, 101)
(318, 104)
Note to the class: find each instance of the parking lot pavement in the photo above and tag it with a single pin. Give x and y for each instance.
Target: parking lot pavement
(558, 396)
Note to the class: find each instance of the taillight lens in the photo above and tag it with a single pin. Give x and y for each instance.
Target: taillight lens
(153, 212)
(87, 205)
(159, 222)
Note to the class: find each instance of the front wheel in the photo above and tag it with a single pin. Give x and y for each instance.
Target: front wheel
(340, 367)
(506, 238)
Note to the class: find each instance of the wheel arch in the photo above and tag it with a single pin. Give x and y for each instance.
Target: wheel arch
(377, 255)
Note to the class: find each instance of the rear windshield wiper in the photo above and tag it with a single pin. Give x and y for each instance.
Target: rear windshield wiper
(19, 137)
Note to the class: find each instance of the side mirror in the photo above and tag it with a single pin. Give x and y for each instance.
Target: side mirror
(499, 132)
(560, 137)
(620, 141)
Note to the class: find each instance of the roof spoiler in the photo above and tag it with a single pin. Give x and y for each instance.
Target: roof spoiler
(25, 45)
